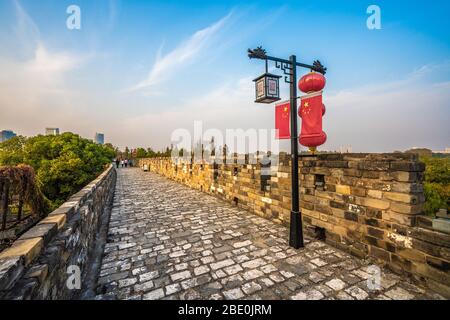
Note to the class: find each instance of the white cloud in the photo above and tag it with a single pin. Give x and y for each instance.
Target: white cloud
(381, 117)
(413, 111)
(33, 89)
(185, 52)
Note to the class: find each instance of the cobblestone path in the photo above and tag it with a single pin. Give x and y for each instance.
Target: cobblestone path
(166, 241)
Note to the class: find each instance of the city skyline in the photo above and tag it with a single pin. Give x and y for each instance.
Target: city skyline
(121, 69)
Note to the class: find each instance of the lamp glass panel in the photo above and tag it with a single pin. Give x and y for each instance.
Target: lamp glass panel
(272, 87)
(260, 90)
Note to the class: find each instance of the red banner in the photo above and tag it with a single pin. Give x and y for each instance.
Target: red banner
(282, 112)
(311, 112)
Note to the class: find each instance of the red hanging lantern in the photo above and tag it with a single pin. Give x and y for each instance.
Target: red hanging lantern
(312, 82)
(312, 110)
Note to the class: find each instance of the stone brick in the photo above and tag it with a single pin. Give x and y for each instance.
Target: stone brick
(360, 192)
(375, 194)
(442, 225)
(350, 216)
(403, 197)
(353, 172)
(407, 166)
(154, 295)
(221, 264)
(342, 189)
(180, 275)
(233, 294)
(406, 208)
(399, 294)
(338, 205)
(357, 293)
(336, 284)
(374, 203)
(311, 294)
(439, 264)
(29, 249)
(379, 253)
(59, 219)
(374, 232)
(45, 231)
(403, 219)
(411, 254)
(251, 287)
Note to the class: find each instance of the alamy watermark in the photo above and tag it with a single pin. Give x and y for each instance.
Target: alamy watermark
(73, 281)
(73, 21)
(374, 280)
(217, 146)
(374, 20)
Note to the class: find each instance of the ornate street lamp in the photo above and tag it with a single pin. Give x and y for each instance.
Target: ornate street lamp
(289, 68)
(267, 87)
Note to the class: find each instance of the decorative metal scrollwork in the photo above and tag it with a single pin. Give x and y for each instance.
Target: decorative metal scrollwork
(287, 70)
(319, 67)
(258, 53)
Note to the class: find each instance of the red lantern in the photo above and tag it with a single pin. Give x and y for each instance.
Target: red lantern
(311, 82)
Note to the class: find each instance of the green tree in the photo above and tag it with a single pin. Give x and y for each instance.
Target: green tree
(436, 184)
(151, 153)
(63, 164)
(141, 153)
(12, 151)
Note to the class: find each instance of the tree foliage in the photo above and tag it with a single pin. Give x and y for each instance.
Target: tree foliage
(63, 164)
(150, 153)
(436, 184)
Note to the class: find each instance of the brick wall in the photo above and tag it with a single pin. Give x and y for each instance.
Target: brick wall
(36, 265)
(367, 204)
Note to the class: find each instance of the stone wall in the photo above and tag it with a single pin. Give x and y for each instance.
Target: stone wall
(36, 265)
(367, 204)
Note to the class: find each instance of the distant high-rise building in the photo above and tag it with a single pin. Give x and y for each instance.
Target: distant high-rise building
(52, 131)
(99, 138)
(6, 135)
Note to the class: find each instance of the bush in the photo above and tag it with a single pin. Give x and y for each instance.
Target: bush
(436, 184)
(63, 164)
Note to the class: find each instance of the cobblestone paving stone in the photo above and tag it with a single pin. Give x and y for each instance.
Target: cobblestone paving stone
(167, 241)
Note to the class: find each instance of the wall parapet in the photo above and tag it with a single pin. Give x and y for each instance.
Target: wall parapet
(369, 205)
(36, 265)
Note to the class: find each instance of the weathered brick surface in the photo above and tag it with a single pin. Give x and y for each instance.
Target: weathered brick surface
(35, 266)
(369, 204)
(168, 241)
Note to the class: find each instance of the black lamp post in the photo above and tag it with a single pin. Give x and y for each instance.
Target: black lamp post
(289, 68)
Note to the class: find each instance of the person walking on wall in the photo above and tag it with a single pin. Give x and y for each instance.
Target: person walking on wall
(126, 163)
(117, 163)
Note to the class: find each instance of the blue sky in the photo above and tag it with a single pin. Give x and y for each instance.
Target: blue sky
(137, 70)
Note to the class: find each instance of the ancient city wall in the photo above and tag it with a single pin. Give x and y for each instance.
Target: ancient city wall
(367, 204)
(36, 265)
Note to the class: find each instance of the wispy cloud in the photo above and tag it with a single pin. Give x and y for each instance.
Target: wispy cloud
(165, 65)
(25, 30)
(398, 115)
(32, 87)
